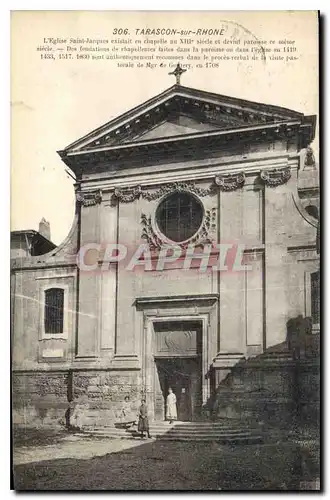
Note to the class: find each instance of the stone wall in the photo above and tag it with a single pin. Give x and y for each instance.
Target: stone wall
(99, 395)
(39, 398)
(278, 388)
(76, 398)
(261, 392)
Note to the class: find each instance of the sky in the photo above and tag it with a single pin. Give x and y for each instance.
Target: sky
(54, 103)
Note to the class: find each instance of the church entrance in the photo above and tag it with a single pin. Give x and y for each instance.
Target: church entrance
(183, 375)
(178, 365)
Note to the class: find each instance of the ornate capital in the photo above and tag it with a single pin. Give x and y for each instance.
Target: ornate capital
(89, 198)
(230, 182)
(127, 195)
(275, 177)
(309, 158)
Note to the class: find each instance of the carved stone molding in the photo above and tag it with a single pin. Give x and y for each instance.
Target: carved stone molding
(127, 195)
(187, 187)
(309, 158)
(130, 194)
(207, 231)
(89, 198)
(275, 177)
(230, 182)
(227, 182)
(205, 234)
(148, 233)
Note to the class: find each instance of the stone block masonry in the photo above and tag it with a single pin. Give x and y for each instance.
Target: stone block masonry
(76, 398)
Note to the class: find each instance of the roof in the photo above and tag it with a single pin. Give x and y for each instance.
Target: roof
(32, 233)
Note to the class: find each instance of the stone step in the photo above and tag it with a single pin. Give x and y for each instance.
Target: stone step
(196, 427)
(225, 438)
(225, 432)
(200, 432)
(191, 426)
(170, 427)
(175, 433)
(219, 439)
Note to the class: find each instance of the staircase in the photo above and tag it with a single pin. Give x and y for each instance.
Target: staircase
(226, 431)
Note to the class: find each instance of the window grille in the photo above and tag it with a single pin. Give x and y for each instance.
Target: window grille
(179, 216)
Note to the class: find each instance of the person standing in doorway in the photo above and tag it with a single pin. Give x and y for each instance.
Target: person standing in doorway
(143, 425)
(171, 412)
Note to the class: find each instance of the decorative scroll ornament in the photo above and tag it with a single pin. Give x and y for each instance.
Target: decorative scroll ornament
(149, 234)
(89, 198)
(186, 187)
(205, 234)
(275, 177)
(127, 195)
(207, 231)
(230, 182)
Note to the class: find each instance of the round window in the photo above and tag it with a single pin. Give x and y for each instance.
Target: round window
(179, 216)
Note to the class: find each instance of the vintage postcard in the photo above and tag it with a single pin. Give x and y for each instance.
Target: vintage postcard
(165, 250)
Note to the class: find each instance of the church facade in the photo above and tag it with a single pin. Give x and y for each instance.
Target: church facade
(193, 248)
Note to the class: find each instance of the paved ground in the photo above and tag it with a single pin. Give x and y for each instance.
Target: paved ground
(61, 461)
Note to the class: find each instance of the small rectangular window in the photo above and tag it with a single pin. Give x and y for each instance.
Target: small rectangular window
(54, 310)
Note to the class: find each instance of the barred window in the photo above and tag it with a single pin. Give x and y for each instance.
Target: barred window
(315, 292)
(179, 216)
(54, 310)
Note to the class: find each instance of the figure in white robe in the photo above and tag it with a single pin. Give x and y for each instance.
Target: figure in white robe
(171, 412)
(127, 416)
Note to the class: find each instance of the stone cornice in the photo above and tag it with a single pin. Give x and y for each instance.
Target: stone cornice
(177, 299)
(301, 247)
(276, 127)
(31, 264)
(191, 170)
(153, 190)
(184, 148)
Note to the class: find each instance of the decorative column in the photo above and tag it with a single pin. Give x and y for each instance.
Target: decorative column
(278, 190)
(89, 280)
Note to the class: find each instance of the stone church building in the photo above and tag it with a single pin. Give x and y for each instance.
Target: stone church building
(191, 258)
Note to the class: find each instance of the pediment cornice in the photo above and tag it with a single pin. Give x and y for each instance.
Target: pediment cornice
(180, 148)
(190, 116)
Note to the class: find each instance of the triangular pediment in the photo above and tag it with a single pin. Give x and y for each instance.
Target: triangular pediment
(177, 125)
(181, 111)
